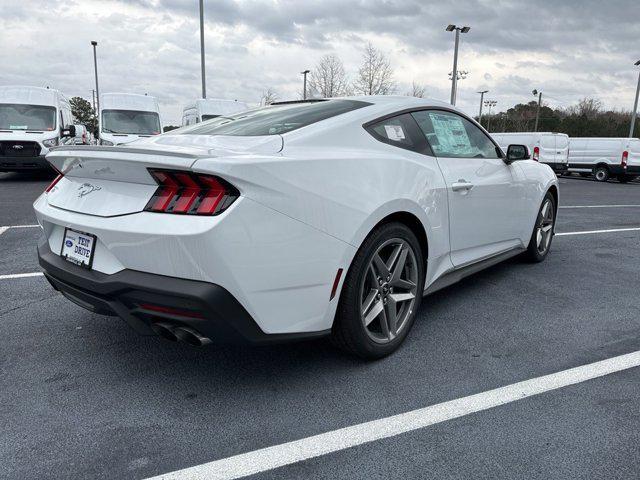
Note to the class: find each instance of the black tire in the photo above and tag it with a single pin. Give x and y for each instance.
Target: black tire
(601, 173)
(534, 253)
(349, 332)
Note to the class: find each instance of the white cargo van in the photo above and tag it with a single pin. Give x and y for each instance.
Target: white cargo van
(206, 109)
(126, 117)
(605, 157)
(32, 120)
(545, 147)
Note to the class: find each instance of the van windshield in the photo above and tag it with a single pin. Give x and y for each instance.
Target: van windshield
(206, 117)
(130, 121)
(17, 116)
(274, 119)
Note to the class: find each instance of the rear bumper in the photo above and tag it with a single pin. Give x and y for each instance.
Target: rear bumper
(206, 307)
(15, 164)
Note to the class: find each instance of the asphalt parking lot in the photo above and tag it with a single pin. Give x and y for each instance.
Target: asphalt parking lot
(84, 397)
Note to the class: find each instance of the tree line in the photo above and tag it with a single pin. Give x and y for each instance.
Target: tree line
(587, 118)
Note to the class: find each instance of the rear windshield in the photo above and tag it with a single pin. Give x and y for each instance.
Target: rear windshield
(130, 121)
(16, 116)
(274, 119)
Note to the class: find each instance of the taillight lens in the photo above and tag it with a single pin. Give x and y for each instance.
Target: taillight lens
(53, 184)
(536, 153)
(189, 193)
(625, 158)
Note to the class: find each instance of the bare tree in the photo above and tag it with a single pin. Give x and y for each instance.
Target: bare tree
(328, 78)
(268, 96)
(375, 76)
(587, 107)
(417, 90)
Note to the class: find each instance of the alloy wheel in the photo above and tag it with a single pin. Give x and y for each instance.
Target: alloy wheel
(388, 290)
(544, 229)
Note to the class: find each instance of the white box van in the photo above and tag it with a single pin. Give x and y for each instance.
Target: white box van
(605, 157)
(206, 109)
(32, 120)
(545, 147)
(126, 117)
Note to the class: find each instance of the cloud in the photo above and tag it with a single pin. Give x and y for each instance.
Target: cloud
(568, 49)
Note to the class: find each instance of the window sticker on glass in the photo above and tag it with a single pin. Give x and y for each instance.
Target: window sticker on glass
(452, 136)
(394, 132)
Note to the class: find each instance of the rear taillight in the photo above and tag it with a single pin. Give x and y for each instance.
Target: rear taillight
(53, 184)
(189, 193)
(536, 153)
(625, 158)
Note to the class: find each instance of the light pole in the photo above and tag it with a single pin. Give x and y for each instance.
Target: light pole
(304, 88)
(454, 73)
(489, 104)
(95, 69)
(204, 79)
(539, 94)
(481, 99)
(634, 114)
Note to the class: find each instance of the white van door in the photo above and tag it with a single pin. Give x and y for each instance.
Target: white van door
(547, 149)
(562, 149)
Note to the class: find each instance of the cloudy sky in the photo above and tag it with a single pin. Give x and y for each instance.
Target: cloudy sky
(569, 49)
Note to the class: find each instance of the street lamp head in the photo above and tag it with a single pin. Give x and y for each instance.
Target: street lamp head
(451, 28)
(465, 29)
(534, 91)
(484, 91)
(305, 72)
(637, 63)
(94, 43)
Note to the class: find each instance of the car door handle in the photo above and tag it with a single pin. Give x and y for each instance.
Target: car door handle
(461, 185)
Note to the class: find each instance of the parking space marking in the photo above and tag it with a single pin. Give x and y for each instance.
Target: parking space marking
(589, 232)
(265, 459)
(599, 206)
(7, 227)
(21, 275)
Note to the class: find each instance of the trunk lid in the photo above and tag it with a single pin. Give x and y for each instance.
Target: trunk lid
(112, 181)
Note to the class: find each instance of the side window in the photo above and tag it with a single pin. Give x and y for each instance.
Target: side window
(399, 131)
(451, 135)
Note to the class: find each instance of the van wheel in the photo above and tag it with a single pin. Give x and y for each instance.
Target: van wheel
(381, 293)
(543, 230)
(601, 174)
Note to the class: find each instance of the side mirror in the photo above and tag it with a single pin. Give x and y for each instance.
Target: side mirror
(68, 132)
(517, 152)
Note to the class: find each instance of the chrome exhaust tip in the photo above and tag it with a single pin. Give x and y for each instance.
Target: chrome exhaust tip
(191, 336)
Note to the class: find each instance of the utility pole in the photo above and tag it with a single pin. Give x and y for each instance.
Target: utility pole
(634, 114)
(204, 79)
(454, 73)
(93, 99)
(481, 99)
(304, 88)
(536, 92)
(95, 68)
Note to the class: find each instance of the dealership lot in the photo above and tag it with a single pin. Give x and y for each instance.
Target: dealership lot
(84, 396)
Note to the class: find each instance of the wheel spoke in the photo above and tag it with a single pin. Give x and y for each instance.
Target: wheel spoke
(400, 264)
(380, 268)
(394, 257)
(375, 310)
(403, 284)
(391, 315)
(402, 297)
(539, 237)
(384, 325)
(546, 228)
(545, 208)
(368, 302)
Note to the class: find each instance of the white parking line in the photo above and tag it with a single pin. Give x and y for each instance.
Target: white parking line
(20, 275)
(7, 227)
(299, 450)
(599, 206)
(589, 232)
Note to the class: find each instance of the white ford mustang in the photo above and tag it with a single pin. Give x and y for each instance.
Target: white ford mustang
(297, 220)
